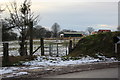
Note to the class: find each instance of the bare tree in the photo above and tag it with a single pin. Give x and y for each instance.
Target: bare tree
(7, 34)
(55, 29)
(90, 30)
(21, 19)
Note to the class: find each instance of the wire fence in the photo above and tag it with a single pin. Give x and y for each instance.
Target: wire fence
(51, 47)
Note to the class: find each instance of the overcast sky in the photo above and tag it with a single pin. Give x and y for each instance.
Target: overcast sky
(76, 15)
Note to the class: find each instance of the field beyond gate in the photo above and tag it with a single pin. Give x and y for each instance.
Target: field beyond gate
(52, 47)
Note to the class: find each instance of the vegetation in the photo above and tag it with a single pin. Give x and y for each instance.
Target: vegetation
(118, 28)
(22, 18)
(97, 44)
(55, 29)
(18, 60)
(90, 30)
(40, 32)
(7, 33)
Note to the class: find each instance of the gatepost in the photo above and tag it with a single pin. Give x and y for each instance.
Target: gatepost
(116, 41)
(5, 54)
(70, 46)
(42, 46)
(0, 39)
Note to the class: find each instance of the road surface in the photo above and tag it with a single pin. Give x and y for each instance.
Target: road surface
(101, 73)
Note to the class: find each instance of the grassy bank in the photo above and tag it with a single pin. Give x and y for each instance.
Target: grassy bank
(92, 45)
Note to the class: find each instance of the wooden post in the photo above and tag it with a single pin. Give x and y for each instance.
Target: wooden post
(31, 38)
(0, 30)
(42, 46)
(66, 49)
(5, 54)
(57, 51)
(50, 48)
(118, 54)
(70, 46)
(115, 47)
(74, 42)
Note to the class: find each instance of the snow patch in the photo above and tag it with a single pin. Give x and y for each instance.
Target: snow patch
(20, 73)
(44, 62)
(57, 61)
(35, 68)
(5, 70)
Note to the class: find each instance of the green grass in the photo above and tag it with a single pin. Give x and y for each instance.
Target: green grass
(95, 44)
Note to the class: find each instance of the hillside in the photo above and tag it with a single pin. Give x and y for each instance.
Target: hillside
(97, 44)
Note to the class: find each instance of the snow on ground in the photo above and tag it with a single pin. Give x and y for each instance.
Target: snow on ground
(16, 71)
(62, 61)
(6, 70)
(20, 73)
(44, 62)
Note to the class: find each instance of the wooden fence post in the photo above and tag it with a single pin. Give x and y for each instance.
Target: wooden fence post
(5, 54)
(57, 51)
(74, 42)
(118, 54)
(66, 49)
(31, 38)
(50, 49)
(42, 46)
(70, 46)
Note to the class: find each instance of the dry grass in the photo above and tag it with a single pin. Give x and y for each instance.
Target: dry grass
(16, 60)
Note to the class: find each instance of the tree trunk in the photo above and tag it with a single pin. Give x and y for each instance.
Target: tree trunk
(23, 45)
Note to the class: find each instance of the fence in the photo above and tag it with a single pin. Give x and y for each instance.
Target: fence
(57, 49)
(40, 47)
(48, 47)
(51, 47)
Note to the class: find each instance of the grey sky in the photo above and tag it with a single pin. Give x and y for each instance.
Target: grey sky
(77, 15)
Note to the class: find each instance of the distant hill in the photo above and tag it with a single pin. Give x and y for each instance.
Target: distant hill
(92, 45)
